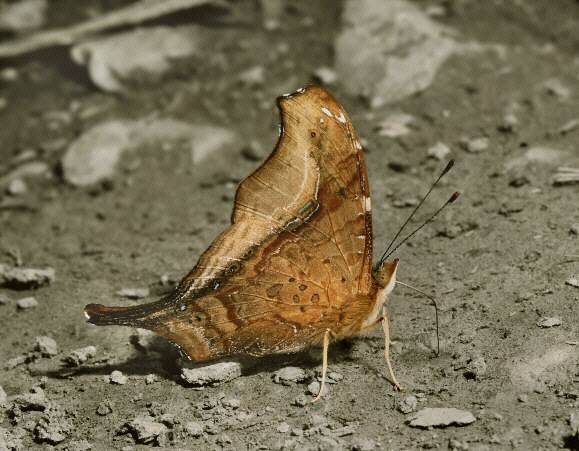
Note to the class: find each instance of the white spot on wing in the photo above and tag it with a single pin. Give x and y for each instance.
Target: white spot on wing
(321, 120)
(341, 117)
(367, 203)
(301, 90)
(327, 112)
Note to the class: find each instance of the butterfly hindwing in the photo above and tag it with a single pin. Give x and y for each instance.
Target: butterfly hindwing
(296, 259)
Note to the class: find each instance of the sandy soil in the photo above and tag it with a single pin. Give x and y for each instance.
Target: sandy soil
(497, 260)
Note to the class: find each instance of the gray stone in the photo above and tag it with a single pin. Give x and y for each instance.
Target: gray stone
(94, 156)
(26, 303)
(231, 403)
(17, 187)
(389, 50)
(3, 397)
(283, 427)
(211, 374)
(118, 378)
(194, 429)
(289, 374)
(36, 400)
(142, 53)
(79, 356)
(395, 125)
(25, 278)
(408, 404)
(573, 280)
(477, 367)
(475, 145)
(146, 429)
(46, 346)
(439, 151)
(54, 426)
(546, 322)
(441, 417)
(574, 422)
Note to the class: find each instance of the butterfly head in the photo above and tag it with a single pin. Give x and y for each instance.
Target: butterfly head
(385, 275)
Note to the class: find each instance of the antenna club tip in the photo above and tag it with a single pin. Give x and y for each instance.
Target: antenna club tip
(454, 197)
(448, 166)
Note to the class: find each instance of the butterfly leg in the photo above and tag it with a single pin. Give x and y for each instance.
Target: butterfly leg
(324, 363)
(386, 329)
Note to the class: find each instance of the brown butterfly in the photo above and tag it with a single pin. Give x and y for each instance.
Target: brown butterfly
(294, 269)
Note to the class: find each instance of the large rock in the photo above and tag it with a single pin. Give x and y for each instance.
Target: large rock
(389, 49)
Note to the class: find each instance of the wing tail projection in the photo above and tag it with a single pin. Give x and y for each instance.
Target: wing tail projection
(134, 316)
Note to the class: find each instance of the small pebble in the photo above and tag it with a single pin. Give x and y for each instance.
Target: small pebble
(395, 125)
(574, 228)
(17, 187)
(301, 400)
(439, 151)
(117, 377)
(326, 75)
(573, 281)
(334, 377)
(318, 421)
(476, 368)
(211, 374)
(569, 126)
(554, 87)
(9, 74)
(283, 427)
(25, 278)
(574, 422)
(231, 403)
(545, 322)
(78, 356)
(26, 303)
(474, 145)
(150, 379)
(145, 429)
(194, 429)
(46, 346)
(523, 398)
(3, 397)
(253, 76)
(314, 388)
(408, 404)
(289, 374)
(441, 417)
(104, 408)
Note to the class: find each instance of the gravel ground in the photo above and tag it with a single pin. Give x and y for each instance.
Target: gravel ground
(502, 261)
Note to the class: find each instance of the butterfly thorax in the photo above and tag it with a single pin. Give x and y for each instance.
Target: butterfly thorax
(384, 279)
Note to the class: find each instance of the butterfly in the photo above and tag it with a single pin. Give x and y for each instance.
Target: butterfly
(294, 268)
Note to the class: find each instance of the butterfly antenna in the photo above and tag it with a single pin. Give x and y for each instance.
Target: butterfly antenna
(435, 311)
(386, 254)
(449, 201)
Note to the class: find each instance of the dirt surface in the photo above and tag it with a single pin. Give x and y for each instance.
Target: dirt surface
(497, 260)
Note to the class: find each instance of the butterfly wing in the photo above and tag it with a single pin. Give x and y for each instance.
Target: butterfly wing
(298, 252)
